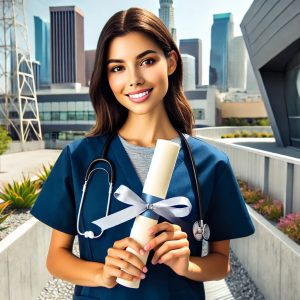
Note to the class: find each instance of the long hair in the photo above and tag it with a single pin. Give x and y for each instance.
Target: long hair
(110, 114)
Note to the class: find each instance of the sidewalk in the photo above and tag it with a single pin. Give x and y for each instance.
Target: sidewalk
(27, 163)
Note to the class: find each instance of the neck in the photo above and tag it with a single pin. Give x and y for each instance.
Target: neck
(144, 130)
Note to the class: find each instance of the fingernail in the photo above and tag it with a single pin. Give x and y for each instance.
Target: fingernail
(145, 270)
(153, 262)
(142, 252)
(142, 276)
(147, 247)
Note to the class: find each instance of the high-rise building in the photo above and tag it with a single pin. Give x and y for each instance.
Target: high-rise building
(221, 34)
(90, 56)
(67, 46)
(237, 64)
(166, 14)
(188, 62)
(251, 84)
(193, 47)
(42, 49)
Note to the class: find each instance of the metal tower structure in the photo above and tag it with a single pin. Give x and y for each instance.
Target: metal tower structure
(18, 101)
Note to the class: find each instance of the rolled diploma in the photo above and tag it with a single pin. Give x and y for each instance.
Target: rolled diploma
(156, 184)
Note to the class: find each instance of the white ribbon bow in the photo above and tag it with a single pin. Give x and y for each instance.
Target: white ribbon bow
(163, 208)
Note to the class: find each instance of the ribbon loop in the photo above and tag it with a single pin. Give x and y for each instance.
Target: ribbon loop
(165, 208)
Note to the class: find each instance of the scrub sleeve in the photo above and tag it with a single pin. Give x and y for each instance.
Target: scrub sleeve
(55, 205)
(227, 214)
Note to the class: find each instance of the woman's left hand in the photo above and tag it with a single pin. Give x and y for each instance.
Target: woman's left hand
(171, 247)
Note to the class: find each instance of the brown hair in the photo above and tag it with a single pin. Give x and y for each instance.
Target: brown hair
(110, 114)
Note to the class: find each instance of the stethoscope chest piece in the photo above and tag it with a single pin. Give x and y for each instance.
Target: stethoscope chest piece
(201, 231)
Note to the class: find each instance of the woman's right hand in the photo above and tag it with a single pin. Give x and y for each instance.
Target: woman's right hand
(120, 263)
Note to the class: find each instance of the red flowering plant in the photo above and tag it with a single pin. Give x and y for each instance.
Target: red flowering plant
(271, 209)
(250, 196)
(290, 225)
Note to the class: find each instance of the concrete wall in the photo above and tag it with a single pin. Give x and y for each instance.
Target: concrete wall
(271, 259)
(255, 109)
(16, 146)
(275, 174)
(22, 261)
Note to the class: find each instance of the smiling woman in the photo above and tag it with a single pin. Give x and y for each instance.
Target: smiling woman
(136, 91)
(140, 76)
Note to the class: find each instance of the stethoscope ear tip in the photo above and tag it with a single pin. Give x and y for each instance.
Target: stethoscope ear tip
(89, 234)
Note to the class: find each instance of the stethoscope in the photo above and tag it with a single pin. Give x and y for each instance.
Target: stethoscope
(200, 229)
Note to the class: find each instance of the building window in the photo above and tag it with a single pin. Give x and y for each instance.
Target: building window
(292, 96)
(199, 113)
(63, 116)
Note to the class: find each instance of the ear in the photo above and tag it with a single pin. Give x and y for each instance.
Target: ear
(172, 62)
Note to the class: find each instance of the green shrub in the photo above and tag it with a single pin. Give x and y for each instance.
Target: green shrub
(20, 195)
(43, 175)
(245, 133)
(3, 217)
(237, 134)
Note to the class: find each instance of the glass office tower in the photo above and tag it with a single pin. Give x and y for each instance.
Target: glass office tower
(42, 49)
(221, 34)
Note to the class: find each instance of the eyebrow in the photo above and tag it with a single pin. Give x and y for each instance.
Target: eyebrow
(139, 56)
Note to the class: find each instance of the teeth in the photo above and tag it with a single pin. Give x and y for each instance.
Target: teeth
(136, 96)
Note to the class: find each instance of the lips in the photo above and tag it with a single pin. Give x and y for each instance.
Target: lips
(139, 96)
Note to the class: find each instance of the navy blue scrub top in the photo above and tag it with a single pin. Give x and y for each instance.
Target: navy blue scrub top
(223, 206)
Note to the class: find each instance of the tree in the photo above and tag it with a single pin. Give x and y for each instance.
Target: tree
(5, 139)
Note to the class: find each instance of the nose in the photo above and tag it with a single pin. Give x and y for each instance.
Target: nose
(135, 78)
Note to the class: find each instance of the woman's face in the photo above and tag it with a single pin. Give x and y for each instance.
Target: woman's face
(137, 71)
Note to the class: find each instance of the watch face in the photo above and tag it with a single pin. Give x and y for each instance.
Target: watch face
(201, 232)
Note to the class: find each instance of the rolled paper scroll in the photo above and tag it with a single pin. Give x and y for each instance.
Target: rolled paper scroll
(155, 189)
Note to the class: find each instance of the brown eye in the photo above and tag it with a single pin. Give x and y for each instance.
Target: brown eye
(149, 61)
(117, 69)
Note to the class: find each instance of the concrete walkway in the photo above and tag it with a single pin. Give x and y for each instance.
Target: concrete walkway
(13, 165)
(28, 163)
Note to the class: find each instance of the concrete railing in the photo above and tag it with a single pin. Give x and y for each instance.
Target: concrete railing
(275, 174)
(271, 258)
(216, 132)
(16, 146)
(22, 261)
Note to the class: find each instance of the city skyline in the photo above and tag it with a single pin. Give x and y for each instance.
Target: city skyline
(192, 19)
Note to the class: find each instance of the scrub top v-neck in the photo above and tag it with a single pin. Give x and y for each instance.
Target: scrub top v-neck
(223, 207)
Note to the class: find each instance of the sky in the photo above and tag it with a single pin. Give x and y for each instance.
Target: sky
(193, 18)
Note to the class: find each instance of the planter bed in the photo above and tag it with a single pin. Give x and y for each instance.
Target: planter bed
(271, 258)
(19, 217)
(22, 261)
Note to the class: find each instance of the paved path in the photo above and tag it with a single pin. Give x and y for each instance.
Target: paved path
(13, 165)
(217, 290)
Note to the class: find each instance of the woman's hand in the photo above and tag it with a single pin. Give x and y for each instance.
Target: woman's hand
(171, 247)
(120, 263)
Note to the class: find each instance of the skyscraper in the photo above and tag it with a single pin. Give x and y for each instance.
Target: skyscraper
(67, 46)
(237, 64)
(42, 49)
(90, 56)
(194, 48)
(221, 34)
(166, 14)
(188, 62)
